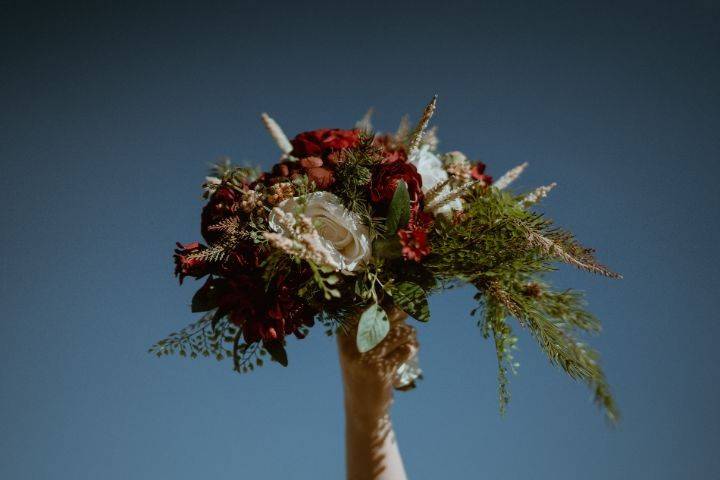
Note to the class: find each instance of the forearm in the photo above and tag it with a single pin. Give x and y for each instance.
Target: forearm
(371, 448)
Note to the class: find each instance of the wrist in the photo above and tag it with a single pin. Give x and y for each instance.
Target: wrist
(366, 400)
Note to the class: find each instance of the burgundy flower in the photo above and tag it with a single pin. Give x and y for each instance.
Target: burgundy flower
(414, 243)
(270, 315)
(224, 203)
(322, 142)
(246, 257)
(243, 298)
(477, 173)
(388, 174)
(187, 266)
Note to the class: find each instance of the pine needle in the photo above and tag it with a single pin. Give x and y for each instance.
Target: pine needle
(556, 249)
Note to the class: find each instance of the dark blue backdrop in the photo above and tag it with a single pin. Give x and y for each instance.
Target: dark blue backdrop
(110, 113)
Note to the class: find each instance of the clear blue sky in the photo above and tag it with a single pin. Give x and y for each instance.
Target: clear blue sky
(109, 115)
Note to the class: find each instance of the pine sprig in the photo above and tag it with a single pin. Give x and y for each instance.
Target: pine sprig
(494, 323)
(501, 248)
(562, 246)
(555, 335)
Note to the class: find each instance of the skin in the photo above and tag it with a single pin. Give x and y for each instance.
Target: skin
(371, 448)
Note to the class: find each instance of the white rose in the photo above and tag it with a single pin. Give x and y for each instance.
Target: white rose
(431, 169)
(341, 231)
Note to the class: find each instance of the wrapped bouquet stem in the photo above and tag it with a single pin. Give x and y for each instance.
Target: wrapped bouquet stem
(393, 362)
(352, 220)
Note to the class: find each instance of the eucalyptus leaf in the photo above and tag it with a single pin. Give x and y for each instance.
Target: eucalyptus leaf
(372, 328)
(399, 210)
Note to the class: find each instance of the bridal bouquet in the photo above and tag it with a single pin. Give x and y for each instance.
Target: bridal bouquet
(351, 224)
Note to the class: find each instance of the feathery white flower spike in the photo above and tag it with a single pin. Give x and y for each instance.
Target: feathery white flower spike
(403, 130)
(417, 134)
(365, 124)
(510, 176)
(277, 134)
(536, 195)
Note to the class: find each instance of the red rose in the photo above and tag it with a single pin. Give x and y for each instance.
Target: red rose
(322, 142)
(185, 265)
(385, 178)
(224, 203)
(477, 173)
(414, 243)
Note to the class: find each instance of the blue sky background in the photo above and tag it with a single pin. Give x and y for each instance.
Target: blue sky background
(109, 114)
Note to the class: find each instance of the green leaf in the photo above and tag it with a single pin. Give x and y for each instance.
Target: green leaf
(277, 352)
(216, 318)
(372, 328)
(387, 248)
(206, 298)
(411, 299)
(399, 210)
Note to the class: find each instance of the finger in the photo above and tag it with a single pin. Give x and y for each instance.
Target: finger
(395, 315)
(398, 335)
(399, 356)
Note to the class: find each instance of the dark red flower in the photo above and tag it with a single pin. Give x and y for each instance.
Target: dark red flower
(246, 257)
(477, 173)
(414, 243)
(322, 142)
(386, 176)
(188, 266)
(266, 315)
(224, 203)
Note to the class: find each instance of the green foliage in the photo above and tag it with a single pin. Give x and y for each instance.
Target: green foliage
(494, 323)
(277, 352)
(199, 339)
(399, 211)
(412, 299)
(502, 249)
(353, 174)
(372, 328)
(206, 298)
(387, 248)
(212, 335)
